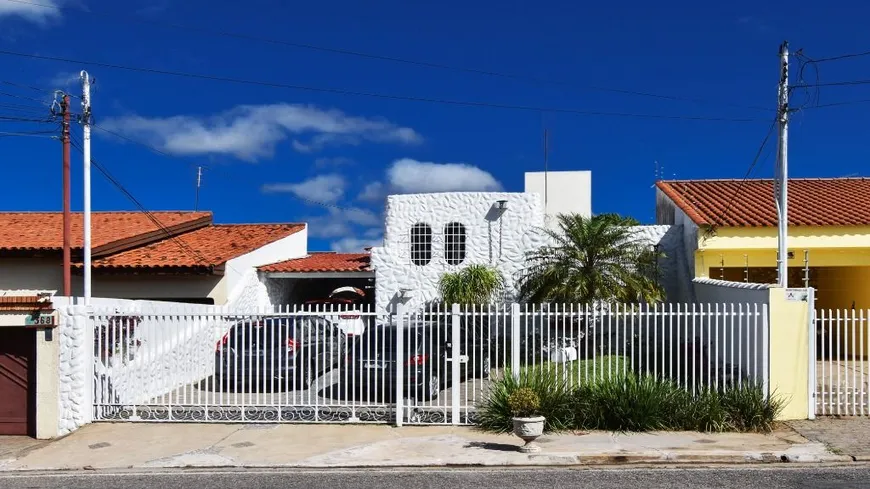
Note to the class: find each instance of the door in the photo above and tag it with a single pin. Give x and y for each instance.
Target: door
(17, 381)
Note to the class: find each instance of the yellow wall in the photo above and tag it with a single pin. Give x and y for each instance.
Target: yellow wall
(828, 247)
(789, 353)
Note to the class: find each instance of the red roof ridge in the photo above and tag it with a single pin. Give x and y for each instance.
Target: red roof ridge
(825, 202)
(228, 224)
(790, 179)
(131, 211)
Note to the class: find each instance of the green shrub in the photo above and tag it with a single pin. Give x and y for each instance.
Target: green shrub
(647, 403)
(524, 403)
(627, 403)
(705, 412)
(749, 409)
(495, 413)
(630, 403)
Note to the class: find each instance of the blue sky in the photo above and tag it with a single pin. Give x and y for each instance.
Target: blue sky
(267, 149)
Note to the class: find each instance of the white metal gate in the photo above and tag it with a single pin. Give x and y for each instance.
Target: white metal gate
(842, 344)
(339, 364)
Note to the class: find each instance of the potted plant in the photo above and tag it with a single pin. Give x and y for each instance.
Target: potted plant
(525, 407)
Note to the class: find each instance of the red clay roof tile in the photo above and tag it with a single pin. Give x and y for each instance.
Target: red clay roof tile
(323, 262)
(750, 203)
(43, 231)
(203, 248)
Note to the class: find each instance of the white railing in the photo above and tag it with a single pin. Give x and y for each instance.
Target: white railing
(842, 371)
(432, 366)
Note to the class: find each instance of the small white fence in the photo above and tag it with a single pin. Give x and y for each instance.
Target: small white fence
(334, 364)
(841, 368)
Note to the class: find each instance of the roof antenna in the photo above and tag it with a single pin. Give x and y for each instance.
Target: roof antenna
(198, 184)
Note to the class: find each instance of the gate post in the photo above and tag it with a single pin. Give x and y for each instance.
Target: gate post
(515, 340)
(400, 354)
(811, 327)
(455, 351)
(789, 366)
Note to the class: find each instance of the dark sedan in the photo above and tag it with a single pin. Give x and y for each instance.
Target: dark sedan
(425, 362)
(276, 353)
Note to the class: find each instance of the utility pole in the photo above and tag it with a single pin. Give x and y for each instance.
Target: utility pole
(67, 215)
(86, 151)
(198, 183)
(781, 186)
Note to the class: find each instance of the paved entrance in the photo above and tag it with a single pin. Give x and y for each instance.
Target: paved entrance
(17, 381)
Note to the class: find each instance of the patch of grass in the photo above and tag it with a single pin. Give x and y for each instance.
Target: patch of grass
(580, 371)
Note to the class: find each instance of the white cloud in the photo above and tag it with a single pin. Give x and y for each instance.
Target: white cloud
(64, 80)
(328, 189)
(251, 132)
(349, 245)
(373, 192)
(342, 223)
(39, 12)
(409, 176)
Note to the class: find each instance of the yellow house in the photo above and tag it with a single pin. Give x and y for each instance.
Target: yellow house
(730, 233)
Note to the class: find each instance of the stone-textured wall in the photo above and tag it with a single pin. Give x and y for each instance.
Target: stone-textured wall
(494, 237)
(76, 363)
(173, 351)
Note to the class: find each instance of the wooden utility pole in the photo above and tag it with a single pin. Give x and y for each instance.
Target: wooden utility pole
(67, 215)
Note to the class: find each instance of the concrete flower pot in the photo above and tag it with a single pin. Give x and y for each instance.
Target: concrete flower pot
(529, 429)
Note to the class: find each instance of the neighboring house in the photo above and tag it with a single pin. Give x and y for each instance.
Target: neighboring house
(186, 258)
(729, 232)
(315, 276)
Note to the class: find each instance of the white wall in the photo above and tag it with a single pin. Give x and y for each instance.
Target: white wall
(174, 351)
(293, 246)
(668, 213)
(493, 238)
(31, 273)
(745, 337)
(566, 192)
(709, 291)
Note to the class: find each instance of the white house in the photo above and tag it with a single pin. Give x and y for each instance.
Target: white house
(426, 235)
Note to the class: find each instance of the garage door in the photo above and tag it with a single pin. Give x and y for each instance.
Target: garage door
(17, 381)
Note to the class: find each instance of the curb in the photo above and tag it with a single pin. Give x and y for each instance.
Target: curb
(534, 460)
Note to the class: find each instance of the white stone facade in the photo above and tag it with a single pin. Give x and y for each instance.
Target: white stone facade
(494, 236)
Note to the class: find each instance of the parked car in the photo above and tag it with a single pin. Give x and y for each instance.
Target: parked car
(426, 361)
(343, 308)
(277, 352)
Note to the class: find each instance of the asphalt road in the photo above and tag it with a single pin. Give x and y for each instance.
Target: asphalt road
(854, 476)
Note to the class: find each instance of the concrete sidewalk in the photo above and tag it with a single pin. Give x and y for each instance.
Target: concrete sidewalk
(123, 446)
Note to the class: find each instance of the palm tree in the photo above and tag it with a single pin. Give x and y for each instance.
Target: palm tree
(592, 259)
(474, 284)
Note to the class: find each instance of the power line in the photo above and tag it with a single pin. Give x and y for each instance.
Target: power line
(839, 104)
(339, 91)
(836, 58)
(184, 247)
(23, 97)
(29, 133)
(749, 171)
(348, 52)
(846, 83)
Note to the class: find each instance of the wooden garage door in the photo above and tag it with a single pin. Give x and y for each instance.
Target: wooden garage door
(17, 380)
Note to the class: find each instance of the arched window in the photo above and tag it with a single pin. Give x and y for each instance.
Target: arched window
(421, 244)
(454, 243)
